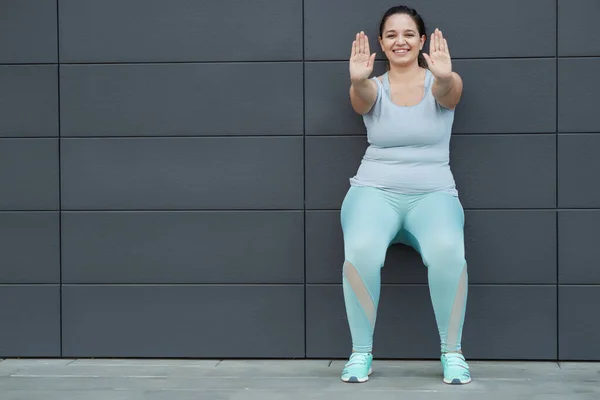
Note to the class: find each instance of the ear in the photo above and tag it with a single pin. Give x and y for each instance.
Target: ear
(423, 40)
(380, 43)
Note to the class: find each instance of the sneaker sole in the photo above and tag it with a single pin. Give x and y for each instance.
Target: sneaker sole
(456, 381)
(354, 379)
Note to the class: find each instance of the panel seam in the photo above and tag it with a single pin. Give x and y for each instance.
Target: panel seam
(304, 179)
(60, 247)
(557, 197)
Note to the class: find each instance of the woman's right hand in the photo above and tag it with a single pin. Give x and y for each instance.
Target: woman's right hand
(361, 59)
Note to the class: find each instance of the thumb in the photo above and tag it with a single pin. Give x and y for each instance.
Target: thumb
(371, 60)
(429, 62)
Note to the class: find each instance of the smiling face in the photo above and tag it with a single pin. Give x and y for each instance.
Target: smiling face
(401, 40)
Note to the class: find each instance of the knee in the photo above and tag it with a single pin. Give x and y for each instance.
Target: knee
(444, 250)
(365, 252)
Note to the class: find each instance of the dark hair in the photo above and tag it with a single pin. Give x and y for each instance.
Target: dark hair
(415, 16)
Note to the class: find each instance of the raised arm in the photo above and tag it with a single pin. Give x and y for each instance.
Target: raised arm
(448, 86)
(363, 92)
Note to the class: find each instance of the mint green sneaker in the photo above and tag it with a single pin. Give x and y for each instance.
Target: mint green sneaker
(358, 368)
(456, 369)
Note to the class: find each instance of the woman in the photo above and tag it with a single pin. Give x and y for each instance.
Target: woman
(404, 190)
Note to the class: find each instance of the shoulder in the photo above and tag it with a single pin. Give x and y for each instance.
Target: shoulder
(379, 81)
(449, 92)
(376, 80)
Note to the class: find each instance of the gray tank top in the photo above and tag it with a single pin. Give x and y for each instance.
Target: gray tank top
(408, 146)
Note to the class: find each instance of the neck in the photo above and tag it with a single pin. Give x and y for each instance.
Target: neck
(405, 73)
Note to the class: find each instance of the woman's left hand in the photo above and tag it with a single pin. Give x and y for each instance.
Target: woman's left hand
(438, 59)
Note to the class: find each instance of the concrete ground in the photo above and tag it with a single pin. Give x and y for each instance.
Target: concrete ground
(27, 379)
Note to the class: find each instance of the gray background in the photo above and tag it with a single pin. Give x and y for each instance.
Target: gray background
(171, 174)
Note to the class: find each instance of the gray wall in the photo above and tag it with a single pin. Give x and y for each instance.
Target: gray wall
(171, 174)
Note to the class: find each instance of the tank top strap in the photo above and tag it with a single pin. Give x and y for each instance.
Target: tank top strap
(428, 80)
(385, 82)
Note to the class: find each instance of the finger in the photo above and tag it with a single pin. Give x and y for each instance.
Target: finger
(432, 46)
(361, 45)
(353, 50)
(372, 60)
(367, 49)
(442, 42)
(446, 50)
(428, 60)
(438, 40)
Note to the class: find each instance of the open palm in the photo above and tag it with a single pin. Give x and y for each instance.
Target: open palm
(438, 59)
(361, 59)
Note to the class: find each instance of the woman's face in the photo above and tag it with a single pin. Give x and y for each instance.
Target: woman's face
(400, 40)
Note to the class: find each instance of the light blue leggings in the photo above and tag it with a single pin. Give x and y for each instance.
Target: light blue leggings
(373, 219)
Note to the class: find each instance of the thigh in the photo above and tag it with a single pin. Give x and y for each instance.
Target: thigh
(368, 216)
(436, 221)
